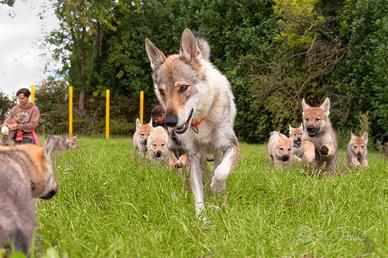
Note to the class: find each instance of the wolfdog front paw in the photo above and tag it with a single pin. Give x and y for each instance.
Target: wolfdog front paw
(217, 184)
(323, 150)
(178, 164)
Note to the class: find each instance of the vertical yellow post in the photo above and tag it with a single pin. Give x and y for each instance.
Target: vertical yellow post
(107, 95)
(33, 93)
(70, 110)
(141, 106)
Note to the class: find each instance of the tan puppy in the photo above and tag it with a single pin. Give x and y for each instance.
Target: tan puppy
(356, 152)
(157, 145)
(141, 135)
(279, 149)
(319, 139)
(296, 134)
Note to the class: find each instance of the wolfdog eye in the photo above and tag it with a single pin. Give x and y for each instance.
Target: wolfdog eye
(362, 146)
(183, 88)
(289, 149)
(317, 119)
(307, 119)
(161, 91)
(142, 134)
(281, 148)
(162, 144)
(294, 134)
(154, 144)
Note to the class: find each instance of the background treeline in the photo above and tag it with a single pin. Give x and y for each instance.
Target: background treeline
(274, 52)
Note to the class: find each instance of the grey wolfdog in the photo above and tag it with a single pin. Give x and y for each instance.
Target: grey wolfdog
(200, 109)
(26, 172)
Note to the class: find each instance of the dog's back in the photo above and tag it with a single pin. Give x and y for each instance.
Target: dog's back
(62, 143)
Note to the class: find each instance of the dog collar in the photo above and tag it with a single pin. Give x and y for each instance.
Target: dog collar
(198, 122)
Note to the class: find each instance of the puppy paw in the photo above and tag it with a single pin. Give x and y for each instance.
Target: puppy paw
(178, 164)
(323, 150)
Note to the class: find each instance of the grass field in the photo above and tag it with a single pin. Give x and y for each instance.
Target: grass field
(112, 203)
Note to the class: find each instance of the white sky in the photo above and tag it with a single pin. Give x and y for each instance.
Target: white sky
(23, 55)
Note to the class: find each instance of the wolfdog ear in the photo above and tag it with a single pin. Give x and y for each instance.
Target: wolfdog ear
(352, 136)
(155, 56)
(138, 124)
(189, 47)
(304, 105)
(365, 137)
(325, 107)
(301, 126)
(290, 128)
(150, 122)
(48, 148)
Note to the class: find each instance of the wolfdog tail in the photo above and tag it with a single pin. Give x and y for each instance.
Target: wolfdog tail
(203, 45)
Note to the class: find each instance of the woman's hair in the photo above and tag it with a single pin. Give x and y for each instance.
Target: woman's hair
(26, 92)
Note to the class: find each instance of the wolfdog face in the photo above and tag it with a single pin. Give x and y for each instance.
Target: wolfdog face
(177, 80)
(296, 135)
(315, 119)
(358, 144)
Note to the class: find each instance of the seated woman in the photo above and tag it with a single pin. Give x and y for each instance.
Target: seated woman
(20, 124)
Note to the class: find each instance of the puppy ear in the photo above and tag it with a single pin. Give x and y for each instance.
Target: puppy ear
(352, 136)
(138, 124)
(189, 51)
(325, 107)
(365, 137)
(155, 56)
(290, 129)
(48, 148)
(304, 105)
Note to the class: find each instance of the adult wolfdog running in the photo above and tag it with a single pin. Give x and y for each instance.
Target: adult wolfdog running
(200, 109)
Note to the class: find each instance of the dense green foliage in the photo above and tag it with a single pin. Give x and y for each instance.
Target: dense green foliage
(113, 203)
(274, 52)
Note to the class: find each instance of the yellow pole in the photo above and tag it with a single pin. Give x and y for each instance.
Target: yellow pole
(107, 95)
(33, 93)
(70, 110)
(141, 106)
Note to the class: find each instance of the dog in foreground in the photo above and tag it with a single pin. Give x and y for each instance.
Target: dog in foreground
(200, 109)
(26, 172)
(319, 139)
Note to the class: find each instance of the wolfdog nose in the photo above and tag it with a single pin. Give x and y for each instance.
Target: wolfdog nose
(49, 195)
(285, 157)
(171, 119)
(158, 154)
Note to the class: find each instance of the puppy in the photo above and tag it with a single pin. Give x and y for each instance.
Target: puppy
(356, 151)
(279, 149)
(157, 145)
(296, 134)
(319, 139)
(141, 135)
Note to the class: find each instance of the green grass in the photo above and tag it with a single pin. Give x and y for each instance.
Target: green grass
(112, 203)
